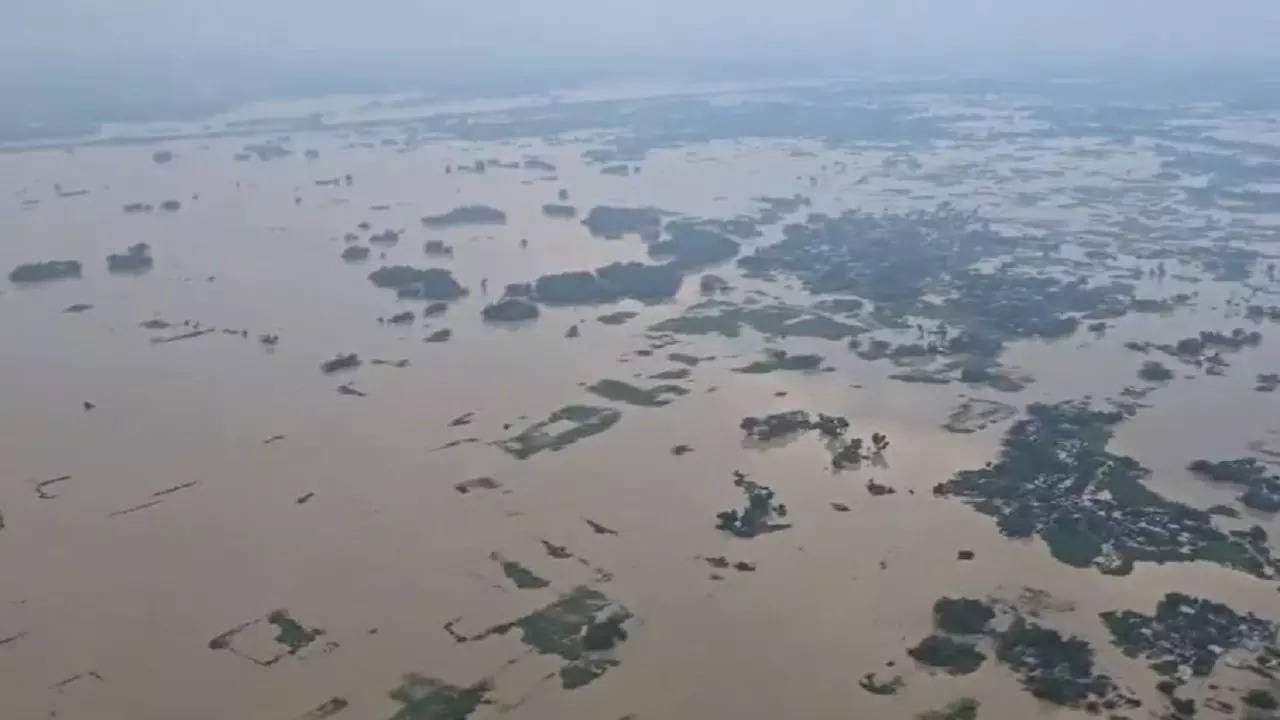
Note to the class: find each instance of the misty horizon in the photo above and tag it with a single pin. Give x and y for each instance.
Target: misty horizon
(66, 65)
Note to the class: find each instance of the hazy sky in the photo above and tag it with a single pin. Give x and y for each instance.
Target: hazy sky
(883, 29)
(66, 64)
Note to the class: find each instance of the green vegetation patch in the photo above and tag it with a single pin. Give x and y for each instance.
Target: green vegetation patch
(962, 616)
(290, 633)
(775, 360)
(580, 627)
(720, 317)
(620, 391)
(1186, 631)
(562, 428)
(425, 698)
(521, 576)
(941, 651)
(962, 709)
(1055, 479)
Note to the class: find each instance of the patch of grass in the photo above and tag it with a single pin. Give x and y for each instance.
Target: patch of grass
(958, 658)
(424, 698)
(291, 634)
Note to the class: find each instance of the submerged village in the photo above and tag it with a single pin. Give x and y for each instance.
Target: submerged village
(877, 401)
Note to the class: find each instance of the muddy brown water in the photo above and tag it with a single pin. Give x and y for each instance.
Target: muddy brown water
(386, 542)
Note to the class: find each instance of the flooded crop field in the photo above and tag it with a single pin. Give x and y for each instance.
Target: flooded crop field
(820, 400)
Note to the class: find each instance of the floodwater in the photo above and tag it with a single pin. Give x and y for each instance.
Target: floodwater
(386, 542)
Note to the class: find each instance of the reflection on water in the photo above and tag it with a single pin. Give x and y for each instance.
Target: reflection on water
(211, 442)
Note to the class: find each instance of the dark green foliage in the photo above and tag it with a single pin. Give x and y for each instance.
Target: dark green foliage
(477, 483)
(1189, 346)
(559, 552)
(604, 634)
(1260, 312)
(891, 686)
(840, 306)
(518, 290)
(845, 452)
(557, 628)
(1070, 541)
(341, 362)
(1056, 479)
(962, 616)
(962, 709)
(424, 698)
(521, 576)
(559, 211)
(776, 425)
(434, 247)
(959, 658)
(467, 215)
(757, 517)
(640, 281)
(616, 318)
(690, 246)
(921, 376)
(725, 318)
(1238, 339)
(585, 421)
(578, 628)
(1263, 497)
(1186, 631)
(510, 310)
(835, 426)
(583, 671)
(137, 259)
(41, 271)
(608, 284)
(1053, 668)
(1262, 488)
(620, 391)
(326, 709)
(614, 222)
(710, 284)
(780, 360)
(672, 374)
(816, 326)
(974, 414)
(409, 282)
(1155, 371)
(386, 238)
(290, 633)
(578, 286)
(1260, 699)
(895, 259)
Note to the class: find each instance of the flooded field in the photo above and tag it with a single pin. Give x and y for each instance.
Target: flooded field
(248, 474)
